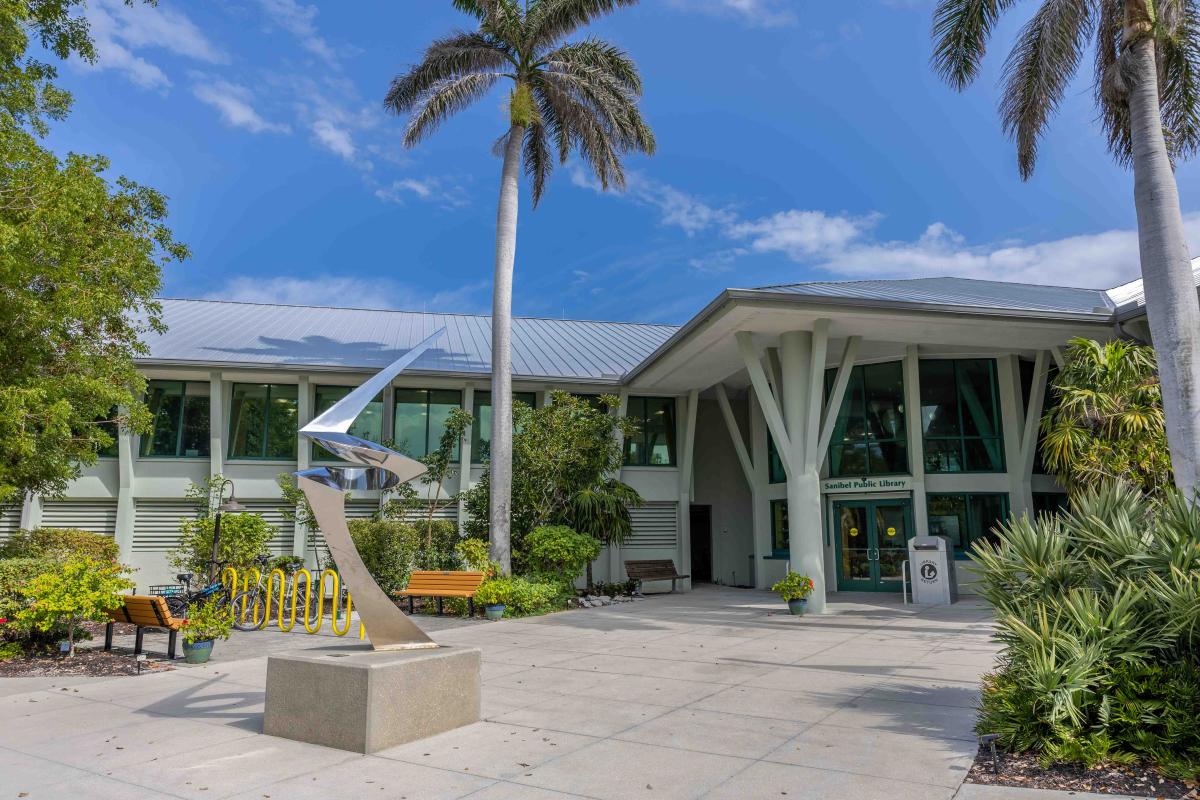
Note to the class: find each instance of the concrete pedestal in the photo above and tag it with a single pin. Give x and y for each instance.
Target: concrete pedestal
(354, 698)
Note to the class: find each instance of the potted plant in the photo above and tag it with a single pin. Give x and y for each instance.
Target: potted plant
(795, 589)
(206, 622)
(493, 596)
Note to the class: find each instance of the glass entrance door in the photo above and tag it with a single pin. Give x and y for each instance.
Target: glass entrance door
(872, 543)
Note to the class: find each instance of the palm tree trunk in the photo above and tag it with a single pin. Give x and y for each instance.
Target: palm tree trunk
(1171, 304)
(501, 447)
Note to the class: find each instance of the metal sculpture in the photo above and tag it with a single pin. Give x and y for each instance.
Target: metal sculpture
(380, 469)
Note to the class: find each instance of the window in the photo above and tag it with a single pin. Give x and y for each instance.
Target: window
(966, 518)
(869, 435)
(179, 427)
(262, 421)
(1050, 503)
(780, 545)
(775, 470)
(481, 430)
(654, 443)
(367, 425)
(960, 416)
(421, 416)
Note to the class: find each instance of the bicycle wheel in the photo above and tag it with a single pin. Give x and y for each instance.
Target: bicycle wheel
(178, 606)
(255, 612)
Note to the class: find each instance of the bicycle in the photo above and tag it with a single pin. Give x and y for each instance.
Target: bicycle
(216, 591)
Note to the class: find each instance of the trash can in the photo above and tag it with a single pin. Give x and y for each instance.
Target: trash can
(931, 567)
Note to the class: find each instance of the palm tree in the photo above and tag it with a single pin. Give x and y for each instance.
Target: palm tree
(576, 96)
(1147, 88)
(1104, 423)
(602, 512)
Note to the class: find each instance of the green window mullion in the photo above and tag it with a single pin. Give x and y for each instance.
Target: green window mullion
(179, 421)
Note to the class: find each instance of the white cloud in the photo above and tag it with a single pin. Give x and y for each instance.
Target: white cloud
(800, 234)
(354, 293)
(755, 13)
(298, 20)
(334, 138)
(435, 190)
(676, 207)
(120, 30)
(233, 102)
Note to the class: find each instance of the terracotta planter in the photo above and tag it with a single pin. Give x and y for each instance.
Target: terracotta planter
(197, 652)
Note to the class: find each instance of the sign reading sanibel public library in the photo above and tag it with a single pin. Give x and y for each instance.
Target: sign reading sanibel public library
(893, 484)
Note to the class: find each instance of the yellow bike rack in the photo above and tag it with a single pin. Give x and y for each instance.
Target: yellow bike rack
(276, 582)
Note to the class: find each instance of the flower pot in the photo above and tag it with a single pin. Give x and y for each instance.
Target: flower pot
(197, 652)
(798, 607)
(494, 612)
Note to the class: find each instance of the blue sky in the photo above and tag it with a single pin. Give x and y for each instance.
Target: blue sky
(797, 141)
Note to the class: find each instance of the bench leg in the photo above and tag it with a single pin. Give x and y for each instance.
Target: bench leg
(171, 645)
(108, 634)
(439, 606)
(137, 642)
(470, 606)
(673, 585)
(410, 605)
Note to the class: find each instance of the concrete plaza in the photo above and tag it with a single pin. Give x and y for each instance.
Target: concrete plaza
(716, 693)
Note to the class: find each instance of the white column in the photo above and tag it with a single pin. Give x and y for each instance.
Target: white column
(1012, 419)
(916, 440)
(304, 415)
(217, 424)
(796, 354)
(125, 494)
(685, 483)
(465, 455)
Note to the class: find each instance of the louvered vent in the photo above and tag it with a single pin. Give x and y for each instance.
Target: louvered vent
(97, 516)
(10, 522)
(156, 524)
(655, 525)
(285, 529)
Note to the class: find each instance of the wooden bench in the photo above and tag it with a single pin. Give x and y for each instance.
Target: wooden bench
(439, 584)
(653, 570)
(144, 611)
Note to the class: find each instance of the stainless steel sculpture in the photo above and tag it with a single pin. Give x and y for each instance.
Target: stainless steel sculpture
(326, 487)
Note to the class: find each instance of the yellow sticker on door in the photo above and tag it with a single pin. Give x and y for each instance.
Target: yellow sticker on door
(854, 531)
(891, 531)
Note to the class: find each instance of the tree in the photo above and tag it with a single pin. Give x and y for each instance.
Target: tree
(1106, 421)
(563, 452)
(602, 512)
(80, 265)
(1147, 88)
(77, 590)
(577, 96)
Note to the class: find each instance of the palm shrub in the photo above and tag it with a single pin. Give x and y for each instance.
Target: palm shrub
(1098, 612)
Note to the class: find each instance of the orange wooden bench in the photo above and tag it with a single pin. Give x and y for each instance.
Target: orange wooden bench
(439, 584)
(144, 611)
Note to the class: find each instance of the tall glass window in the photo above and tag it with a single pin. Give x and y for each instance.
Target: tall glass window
(179, 413)
(481, 427)
(421, 416)
(654, 443)
(960, 416)
(262, 421)
(966, 518)
(367, 425)
(780, 543)
(775, 470)
(869, 435)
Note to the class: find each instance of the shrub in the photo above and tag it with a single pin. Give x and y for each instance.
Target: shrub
(60, 544)
(520, 596)
(1098, 610)
(210, 620)
(475, 556)
(436, 545)
(244, 539)
(794, 586)
(388, 550)
(628, 587)
(559, 553)
(16, 576)
(78, 590)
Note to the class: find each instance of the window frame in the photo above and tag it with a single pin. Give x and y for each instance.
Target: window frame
(457, 457)
(786, 551)
(529, 398)
(860, 370)
(148, 438)
(961, 553)
(962, 438)
(266, 425)
(672, 444)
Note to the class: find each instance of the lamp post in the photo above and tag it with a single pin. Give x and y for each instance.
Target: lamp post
(230, 506)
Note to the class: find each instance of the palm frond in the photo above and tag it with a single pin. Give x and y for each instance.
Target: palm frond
(596, 54)
(452, 57)
(960, 33)
(1111, 89)
(1038, 70)
(551, 20)
(443, 100)
(1178, 49)
(539, 162)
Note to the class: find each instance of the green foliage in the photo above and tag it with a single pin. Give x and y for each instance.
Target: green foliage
(439, 466)
(79, 589)
(16, 576)
(794, 586)
(560, 553)
(475, 557)
(11, 650)
(59, 544)
(1105, 418)
(628, 587)
(207, 621)
(520, 596)
(243, 540)
(388, 549)
(561, 451)
(288, 564)
(436, 548)
(1098, 610)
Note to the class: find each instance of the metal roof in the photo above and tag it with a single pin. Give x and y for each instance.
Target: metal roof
(247, 334)
(958, 292)
(1130, 298)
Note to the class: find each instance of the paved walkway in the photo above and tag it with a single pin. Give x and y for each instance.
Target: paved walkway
(713, 694)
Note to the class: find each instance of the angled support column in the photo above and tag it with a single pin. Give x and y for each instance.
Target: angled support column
(840, 382)
(767, 400)
(1029, 431)
(735, 433)
(816, 386)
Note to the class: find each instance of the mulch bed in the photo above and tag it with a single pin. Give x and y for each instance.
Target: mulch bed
(1023, 770)
(95, 663)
